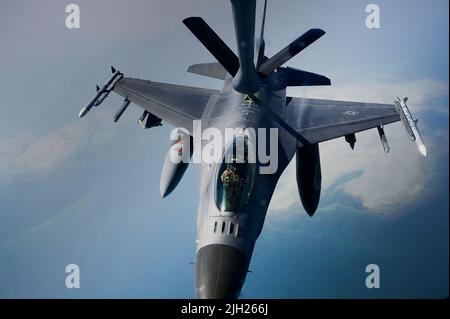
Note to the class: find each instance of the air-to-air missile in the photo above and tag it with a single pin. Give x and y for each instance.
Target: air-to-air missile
(147, 120)
(383, 138)
(410, 124)
(102, 93)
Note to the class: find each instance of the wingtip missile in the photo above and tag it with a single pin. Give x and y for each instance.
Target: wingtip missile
(83, 112)
(91, 103)
(423, 150)
(410, 124)
(102, 93)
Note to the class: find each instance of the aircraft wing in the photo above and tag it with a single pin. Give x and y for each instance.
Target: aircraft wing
(321, 120)
(176, 104)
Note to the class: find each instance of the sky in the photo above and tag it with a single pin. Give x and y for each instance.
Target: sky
(86, 191)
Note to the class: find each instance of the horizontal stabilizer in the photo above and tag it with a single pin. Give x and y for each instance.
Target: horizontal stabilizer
(212, 70)
(297, 77)
(290, 51)
(213, 43)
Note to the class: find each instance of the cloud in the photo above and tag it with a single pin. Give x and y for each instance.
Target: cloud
(419, 92)
(27, 154)
(46, 153)
(387, 182)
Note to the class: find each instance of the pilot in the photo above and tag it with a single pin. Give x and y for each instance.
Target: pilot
(231, 183)
(230, 178)
(224, 178)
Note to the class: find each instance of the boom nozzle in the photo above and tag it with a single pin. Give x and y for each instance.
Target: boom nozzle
(246, 80)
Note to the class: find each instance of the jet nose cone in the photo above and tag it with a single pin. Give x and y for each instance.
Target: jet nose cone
(220, 272)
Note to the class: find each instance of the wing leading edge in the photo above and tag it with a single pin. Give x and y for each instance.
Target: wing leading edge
(321, 120)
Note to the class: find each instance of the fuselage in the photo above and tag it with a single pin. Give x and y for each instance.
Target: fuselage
(230, 219)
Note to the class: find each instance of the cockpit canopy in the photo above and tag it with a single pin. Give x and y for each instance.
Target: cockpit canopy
(235, 175)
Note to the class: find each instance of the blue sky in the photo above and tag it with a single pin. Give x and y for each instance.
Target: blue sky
(87, 191)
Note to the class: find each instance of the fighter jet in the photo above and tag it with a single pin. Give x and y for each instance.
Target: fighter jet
(234, 195)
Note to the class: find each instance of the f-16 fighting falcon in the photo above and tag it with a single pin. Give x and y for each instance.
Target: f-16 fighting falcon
(235, 191)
